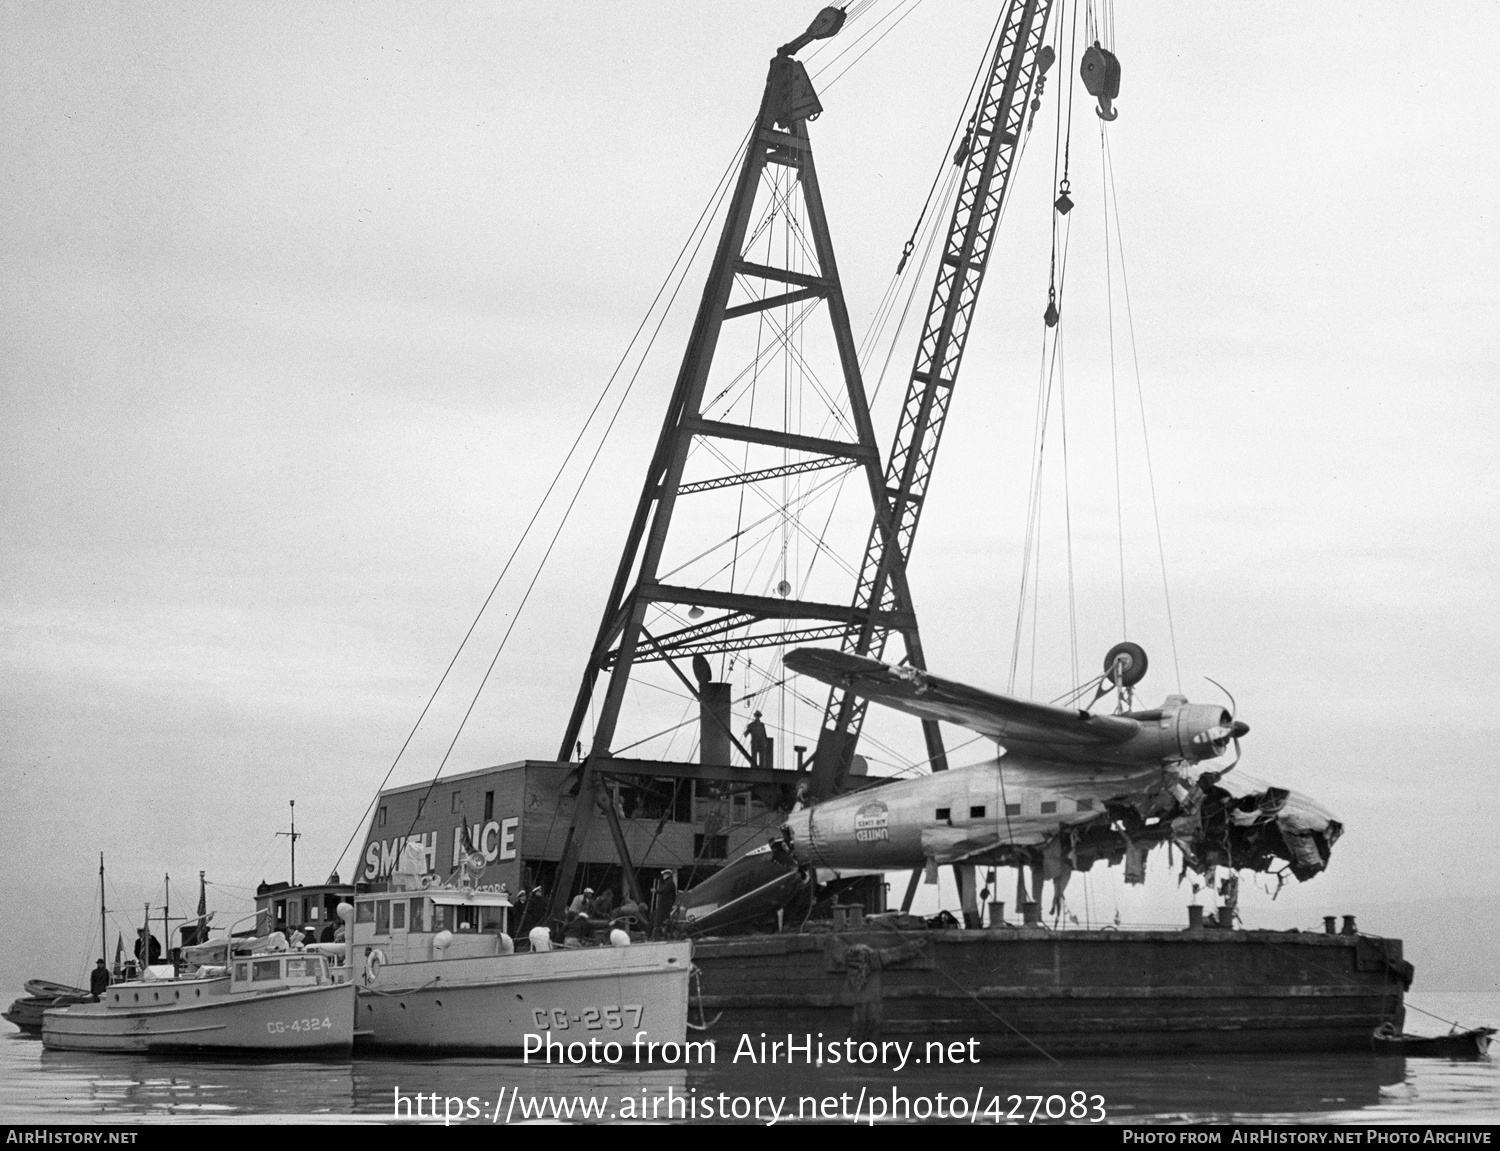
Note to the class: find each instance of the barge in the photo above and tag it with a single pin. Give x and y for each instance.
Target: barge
(1029, 991)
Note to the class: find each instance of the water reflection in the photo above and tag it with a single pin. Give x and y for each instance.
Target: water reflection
(46, 1086)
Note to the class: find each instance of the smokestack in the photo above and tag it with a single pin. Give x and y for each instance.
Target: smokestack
(713, 716)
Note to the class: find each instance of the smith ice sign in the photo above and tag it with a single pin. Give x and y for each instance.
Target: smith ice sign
(495, 840)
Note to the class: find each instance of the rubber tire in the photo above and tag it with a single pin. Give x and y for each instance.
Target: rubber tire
(1135, 668)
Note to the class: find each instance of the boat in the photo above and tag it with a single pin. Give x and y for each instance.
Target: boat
(1473, 1043)
(437, 970)
(254, 995)
(41, 994)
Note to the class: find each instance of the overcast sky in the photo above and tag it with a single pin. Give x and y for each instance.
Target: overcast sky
(302, 305)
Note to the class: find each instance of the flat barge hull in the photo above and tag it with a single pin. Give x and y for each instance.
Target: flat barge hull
(1027, 990)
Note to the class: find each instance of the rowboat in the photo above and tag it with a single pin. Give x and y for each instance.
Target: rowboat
(1473, 1043)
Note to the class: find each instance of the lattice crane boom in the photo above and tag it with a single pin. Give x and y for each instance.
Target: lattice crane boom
(991, 148)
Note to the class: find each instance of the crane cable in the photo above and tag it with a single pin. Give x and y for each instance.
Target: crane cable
(1050, 373)
(678, 269)
(1114, 206)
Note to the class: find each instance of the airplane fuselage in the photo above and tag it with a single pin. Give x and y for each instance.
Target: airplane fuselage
(964, 813)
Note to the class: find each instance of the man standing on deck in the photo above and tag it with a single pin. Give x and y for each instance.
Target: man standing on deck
(759, 742)
(98, 980)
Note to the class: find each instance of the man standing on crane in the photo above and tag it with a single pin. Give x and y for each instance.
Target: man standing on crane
(760, 743)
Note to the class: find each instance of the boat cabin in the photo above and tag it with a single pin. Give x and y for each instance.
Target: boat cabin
(311, 909)
(253, 973)
(414, 926)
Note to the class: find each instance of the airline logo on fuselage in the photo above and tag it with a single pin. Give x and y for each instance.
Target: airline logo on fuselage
(870, 823)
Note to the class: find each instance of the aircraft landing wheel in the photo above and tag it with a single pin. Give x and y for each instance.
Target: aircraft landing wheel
(1132, 657)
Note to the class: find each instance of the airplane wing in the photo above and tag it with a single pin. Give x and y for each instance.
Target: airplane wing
(1001, 717)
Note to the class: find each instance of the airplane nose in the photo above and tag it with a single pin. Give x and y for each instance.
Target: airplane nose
(1240, 728)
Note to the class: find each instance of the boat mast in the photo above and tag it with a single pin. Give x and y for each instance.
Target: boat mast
(103, 926)
(989, 155)
(202, 907)
(293, 835)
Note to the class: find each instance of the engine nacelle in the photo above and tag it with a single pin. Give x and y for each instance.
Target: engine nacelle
(1205, 730)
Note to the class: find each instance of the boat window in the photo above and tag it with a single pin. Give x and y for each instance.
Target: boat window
(297, 969)
(398, 914)
(263, 969)
(416, 915)
(492, 918)
(468, 918)
(241, 971)
(443, 918)
(365, 911)
(382, 916)
(294, 913)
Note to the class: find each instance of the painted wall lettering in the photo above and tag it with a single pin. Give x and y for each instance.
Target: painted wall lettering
(381, 856)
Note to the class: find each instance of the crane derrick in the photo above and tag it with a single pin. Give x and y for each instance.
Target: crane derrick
(989, 156)
(710, 616)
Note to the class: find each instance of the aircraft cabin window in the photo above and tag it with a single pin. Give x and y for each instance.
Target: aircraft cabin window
(976, 812)
(942, 813)
(1049, 807)
(1085, 805)
(1012, 809)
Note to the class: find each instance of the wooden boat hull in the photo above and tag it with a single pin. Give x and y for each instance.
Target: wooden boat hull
(492, 1003)
(292, 1021)
(1025, 990)
(26, 1013)
(1473, 1044)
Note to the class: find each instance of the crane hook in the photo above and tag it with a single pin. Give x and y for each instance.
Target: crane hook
(1100, 71)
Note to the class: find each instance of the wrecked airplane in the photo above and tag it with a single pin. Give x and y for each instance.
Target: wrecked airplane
(1069, 788)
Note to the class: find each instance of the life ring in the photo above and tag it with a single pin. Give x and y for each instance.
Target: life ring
(373, 963)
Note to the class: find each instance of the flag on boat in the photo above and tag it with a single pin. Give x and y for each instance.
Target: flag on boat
(473, 856)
